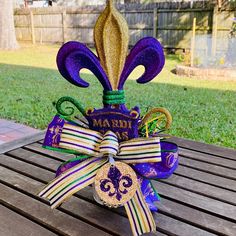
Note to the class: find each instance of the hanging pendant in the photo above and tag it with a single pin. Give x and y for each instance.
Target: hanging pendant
(116, 184)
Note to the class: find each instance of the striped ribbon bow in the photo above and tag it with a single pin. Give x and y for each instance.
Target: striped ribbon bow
(99, 148)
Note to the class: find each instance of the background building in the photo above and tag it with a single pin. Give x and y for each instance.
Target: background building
(33, 3)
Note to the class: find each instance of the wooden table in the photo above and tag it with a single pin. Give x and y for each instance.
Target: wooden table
(199, 199)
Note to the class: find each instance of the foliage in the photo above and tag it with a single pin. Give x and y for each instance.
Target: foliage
(202, 110)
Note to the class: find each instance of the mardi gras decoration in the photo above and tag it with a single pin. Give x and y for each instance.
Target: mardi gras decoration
(117, 151)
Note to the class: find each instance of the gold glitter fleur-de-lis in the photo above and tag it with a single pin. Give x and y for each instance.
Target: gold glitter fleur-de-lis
(111, 40)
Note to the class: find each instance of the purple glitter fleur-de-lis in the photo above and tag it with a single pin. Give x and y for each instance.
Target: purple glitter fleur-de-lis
(117, 181)
(74, 56)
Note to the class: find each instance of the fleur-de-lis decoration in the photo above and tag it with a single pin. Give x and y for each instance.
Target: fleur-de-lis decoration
(116, 184)
(112, 66)
(103, 158)
(56, 133)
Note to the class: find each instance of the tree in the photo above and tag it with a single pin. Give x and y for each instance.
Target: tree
(7, 28)
(26, 3)
(231, 55)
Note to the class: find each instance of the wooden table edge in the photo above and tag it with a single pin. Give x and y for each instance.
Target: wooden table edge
(9, 146)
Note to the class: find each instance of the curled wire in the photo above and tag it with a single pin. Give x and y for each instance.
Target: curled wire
(150, 126)
(69, 111)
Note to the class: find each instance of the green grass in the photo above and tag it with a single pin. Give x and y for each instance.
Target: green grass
(202, 110)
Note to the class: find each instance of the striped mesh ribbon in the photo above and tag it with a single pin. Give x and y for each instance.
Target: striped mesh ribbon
(140, 217)
(71, 181)
(93, 143)
(98, 147)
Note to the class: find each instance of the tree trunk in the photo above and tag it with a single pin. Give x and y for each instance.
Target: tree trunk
(7, 28)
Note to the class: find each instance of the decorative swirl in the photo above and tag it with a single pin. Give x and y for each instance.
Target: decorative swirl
(147, 52)
(155, 121)
(71, 109)
(125, 182)
(74, 56)
(106, 185)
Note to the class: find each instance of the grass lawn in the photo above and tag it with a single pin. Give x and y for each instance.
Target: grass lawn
(202, 110)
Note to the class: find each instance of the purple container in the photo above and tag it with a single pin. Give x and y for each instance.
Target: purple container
(163, 169)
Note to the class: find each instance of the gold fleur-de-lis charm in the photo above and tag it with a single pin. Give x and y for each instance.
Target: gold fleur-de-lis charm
(116, 184)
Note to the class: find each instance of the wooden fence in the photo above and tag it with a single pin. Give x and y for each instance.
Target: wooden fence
(173, 27)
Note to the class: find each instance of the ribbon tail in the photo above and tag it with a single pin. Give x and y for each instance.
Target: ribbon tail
(149, 193)
(140, 217)
(71, 181)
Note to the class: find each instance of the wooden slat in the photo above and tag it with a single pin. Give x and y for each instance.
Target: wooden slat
(26, 168)
(210, 205)
(203, 189)
(176, 228)
(58, 220)
(206, 178)
(75, 204)
(38, 142)
(106, 217)
(207, 158)
(36, 147)
(5, 147)
(198, 218)
(205, 148)
(36, 159)
(13, 224)
(209, 168)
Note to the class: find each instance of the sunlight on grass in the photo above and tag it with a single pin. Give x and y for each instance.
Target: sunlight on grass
(44, 56)
(40, 56)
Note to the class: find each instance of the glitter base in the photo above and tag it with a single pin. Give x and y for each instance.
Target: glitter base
(116, 184)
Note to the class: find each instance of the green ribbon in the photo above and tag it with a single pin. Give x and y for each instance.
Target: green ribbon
(116, 97)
